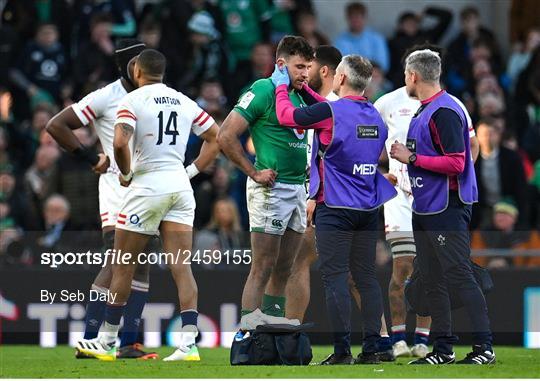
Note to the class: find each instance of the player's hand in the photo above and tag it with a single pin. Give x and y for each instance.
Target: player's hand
(280, 76)
(311, 205)
(125, 180)
(390, 177)
(265, 177)
(102, 165)
(400, 152)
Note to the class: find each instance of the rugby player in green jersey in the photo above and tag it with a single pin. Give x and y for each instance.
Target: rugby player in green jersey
(275, 192)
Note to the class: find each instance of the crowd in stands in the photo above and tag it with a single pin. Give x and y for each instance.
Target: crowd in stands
(53, 52)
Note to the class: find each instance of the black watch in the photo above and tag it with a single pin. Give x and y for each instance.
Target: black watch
(412, 159)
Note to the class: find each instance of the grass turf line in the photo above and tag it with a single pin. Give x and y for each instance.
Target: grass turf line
(30, 361)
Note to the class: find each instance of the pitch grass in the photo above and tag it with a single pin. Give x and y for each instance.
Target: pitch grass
(26, 361)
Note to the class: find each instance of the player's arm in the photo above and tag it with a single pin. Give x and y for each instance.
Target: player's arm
(61, 127)
(228, 139)
(209, 151)
(316, 116)
(251, 106)
(123, 131)
(122, 134)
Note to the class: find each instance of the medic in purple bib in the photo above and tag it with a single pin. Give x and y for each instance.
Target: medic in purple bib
(443, 184)
(349, 189)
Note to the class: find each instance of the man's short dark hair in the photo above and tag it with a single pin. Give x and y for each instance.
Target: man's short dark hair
(407, 16)
(356, 7)
(152, 63)
(295, 46)
(468, 12)
(488, 121)
(327, 55)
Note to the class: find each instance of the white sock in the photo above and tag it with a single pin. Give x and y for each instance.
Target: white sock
(109, 333)
(189, 335)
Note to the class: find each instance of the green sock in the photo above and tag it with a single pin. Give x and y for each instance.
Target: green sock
(245, 312)
(273, 305)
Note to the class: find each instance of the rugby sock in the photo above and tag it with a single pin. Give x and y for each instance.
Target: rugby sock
(113, 314)
(189, 317)
(245, 312)
(273, 305)
(384, 344)
(132, 313)
(398, 333)
(95, 310)
(421, 336)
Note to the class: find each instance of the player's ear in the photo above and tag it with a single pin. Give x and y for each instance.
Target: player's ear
(281, 62)
(323, 71)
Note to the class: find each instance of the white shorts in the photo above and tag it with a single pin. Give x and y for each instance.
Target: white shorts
(273, 210)
(111, 197)
(398, 216)
(143, 214)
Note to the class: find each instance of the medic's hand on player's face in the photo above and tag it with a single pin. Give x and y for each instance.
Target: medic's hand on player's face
(400, 152)
(102, 165)
(280, 76)
(390, 177)
(265, 177)
(311, 204)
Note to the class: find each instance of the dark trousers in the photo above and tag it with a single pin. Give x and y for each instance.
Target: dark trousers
(346, 242)
(443, 254)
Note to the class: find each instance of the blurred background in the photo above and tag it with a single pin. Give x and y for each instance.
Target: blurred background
(53, 52)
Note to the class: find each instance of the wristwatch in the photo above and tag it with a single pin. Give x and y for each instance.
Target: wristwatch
(412, 159)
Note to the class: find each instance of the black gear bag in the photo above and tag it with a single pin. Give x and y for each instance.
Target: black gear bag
(272, 344)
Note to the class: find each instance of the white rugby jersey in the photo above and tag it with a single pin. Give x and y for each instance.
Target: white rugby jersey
(99, 108)
(163, 119)
(397, 109)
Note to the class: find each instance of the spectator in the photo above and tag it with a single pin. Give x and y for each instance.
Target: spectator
(38, 181)
(224, 232)
(378, 86)
(95, 64)
(521, 55)
(502, 234)
(41, 69)
(246, 24)
(500, 175)
(208, 58)
(150, 34)
(121, 13)
(461, 47)
(307, 27)
(261, 66)
(410, 33)
(15, 206)
(212, 98)
(56, 215)
(361, 39)
(524, 15)
(74, 179)
(527, 107)
(25, 139)
(281, 19)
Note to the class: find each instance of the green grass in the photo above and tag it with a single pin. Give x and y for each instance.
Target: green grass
(24, 361)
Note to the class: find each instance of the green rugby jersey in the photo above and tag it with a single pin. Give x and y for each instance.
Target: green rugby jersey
(282, 149)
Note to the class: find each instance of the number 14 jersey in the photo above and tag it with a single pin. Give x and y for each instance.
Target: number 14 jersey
(162, 119)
